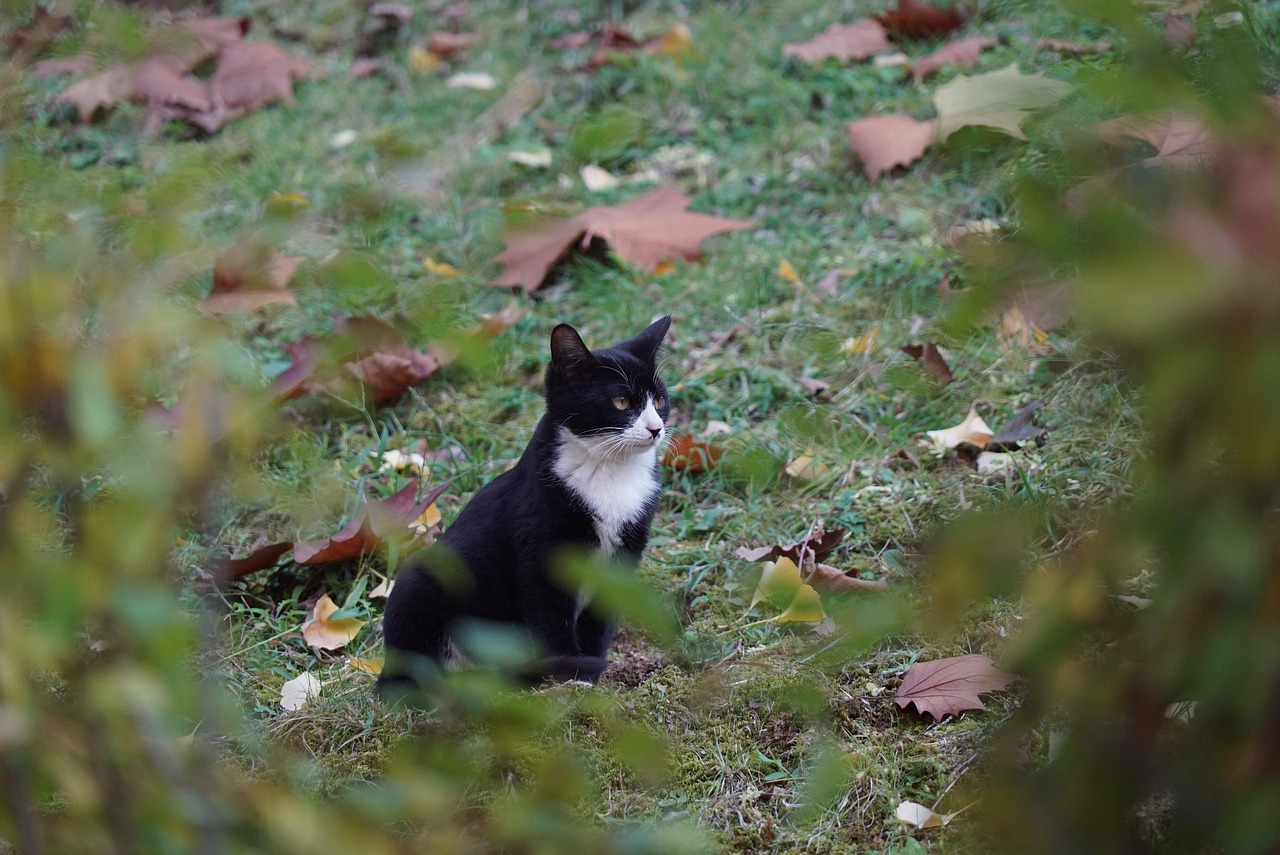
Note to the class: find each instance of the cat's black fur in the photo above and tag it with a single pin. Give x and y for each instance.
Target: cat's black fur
(588, 480)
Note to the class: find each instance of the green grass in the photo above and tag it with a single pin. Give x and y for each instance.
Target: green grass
(770, 738)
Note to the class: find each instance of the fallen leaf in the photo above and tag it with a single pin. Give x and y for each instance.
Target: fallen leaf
(817, 545)
(1018, 429)
(369, 354)
(676, 43)
(295, 693)
(1000, 100)
(198, 40)
(246, 279)
(919, 816)
(843, 42)
(81, 63)
(641, 232)
(445, 45)
(1180, 140)
(864, 343)
(917, 21)
(370, 528)
(253, 74)
(423, 524)
(322, 632)
(1077, 48)
(398, 13)
(533, 158)
(991, 461)
(778, 583)
(950, 686)
(382, 590)
(813, 386)
(597, 179)
(386, 374)
(372, 667)
(973, 431)
(1179, 33)
(421, 59)
(934, 364)
(960, 53)
(787, 272)
(885, 142)
(690, 455)
(396, 461)
(496, 322)
(806, 607)
(230, 569)
(806, 468)
(472, 80)
(835, 579)
(439, 268)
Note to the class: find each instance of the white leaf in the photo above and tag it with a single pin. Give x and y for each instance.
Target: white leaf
(471, 80)
(382, 589)
(994, 461)
(397, 460)
(919, 816)
(295, 693)
(539, 158)
(973, 430)
(597, 179)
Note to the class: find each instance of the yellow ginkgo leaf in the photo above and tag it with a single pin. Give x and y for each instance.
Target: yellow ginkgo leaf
(439, 268)
(780, 580)
(427, 520)
(368, 666)
(320, 631)
(295, 693)
(787, 272)
(805, 468)
(864, 343)
(805, 608)
(973, 430)
(421, 59)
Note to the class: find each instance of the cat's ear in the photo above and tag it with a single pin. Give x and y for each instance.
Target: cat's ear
(647, 343)
(570, 358)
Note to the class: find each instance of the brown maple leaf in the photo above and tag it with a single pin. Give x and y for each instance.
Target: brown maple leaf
(371, 527)
(643, 232)
(960, 53)
(934, 363)
(252, 74)
(1179, 140)
(885, 142)
(445, 45)
(950, 686)
(1019, 429)
(817, 544)
(200, 39)
(230, 569)
(914, 20)
(248, 278)
(845, 42)
(365, 351)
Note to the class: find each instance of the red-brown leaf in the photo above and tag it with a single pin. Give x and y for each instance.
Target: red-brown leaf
(691, 455)
(960, 53)
(884, 142)
(445, 45)
(244, 281)
(845, 42)
(1179, 139)
(370, 529)
(913, 20)
(387, 374)
(950, 686)
(642, 232)
(368, 351)
(230, 569)
(817, 546)
(934, 363)
(251, 74)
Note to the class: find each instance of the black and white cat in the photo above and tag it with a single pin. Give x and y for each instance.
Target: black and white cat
(589, 479)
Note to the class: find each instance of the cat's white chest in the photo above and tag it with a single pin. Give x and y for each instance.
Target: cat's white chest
(616, 490)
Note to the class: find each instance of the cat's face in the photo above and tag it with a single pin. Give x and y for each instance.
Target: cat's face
(611, 398)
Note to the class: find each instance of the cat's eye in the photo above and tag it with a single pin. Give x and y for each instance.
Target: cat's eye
(660, 402)
(622, 403)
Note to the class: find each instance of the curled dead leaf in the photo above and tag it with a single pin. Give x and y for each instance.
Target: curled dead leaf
(691, 455)
(972, 431)
(296, 693)
(843, 42)
(327, 634)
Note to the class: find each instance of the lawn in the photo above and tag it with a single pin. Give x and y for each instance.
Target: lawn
(716, 727)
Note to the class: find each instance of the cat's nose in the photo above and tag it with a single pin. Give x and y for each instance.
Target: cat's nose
(655, 432)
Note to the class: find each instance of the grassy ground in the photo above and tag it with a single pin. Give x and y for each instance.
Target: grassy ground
(776, 739)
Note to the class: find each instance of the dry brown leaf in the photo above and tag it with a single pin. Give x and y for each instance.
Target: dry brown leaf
(934, 364)
(370, 528)
(364, 350)
(641, 232)
(1019, 429)
(835, 579)
(960, 53)
(914, 20)
(818, 543)
(857, 41)
(972, 431)
(1179, 140)
(319, 631)
(386, 374)
(244, 281)
(950, 686)
(884, 142)
(253, 74)
(230, 569)
(445, 45)
(200, 39)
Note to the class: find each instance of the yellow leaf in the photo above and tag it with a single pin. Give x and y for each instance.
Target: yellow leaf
(1000, 100)
(780, 580)
(864, 343)
(295, 693)
(368, 666)
(787, 272)
(805, 608)
(295, 199)
(676, 43)
(1016, 330)
(805, 468)
(973, 430)
(421, 59)
(327, 634)
(427, 520)
(663, 268)
(439, 268)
